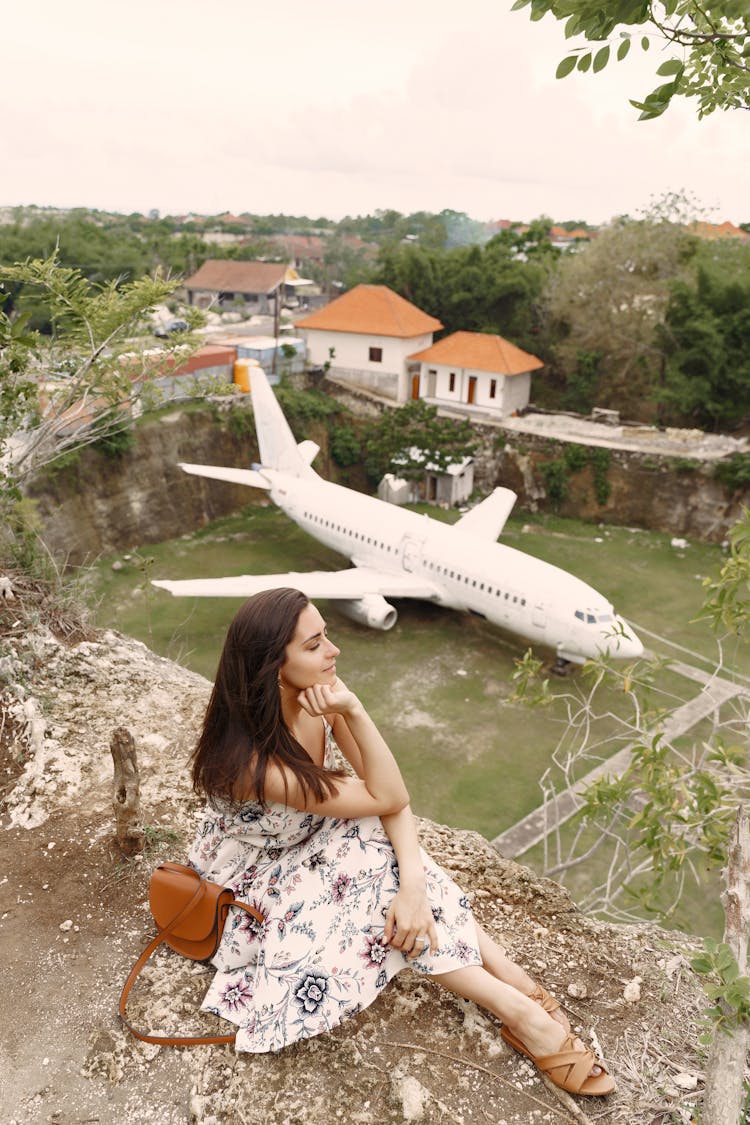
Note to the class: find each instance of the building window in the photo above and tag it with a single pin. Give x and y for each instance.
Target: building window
(452, 382)
(376, 355)
(493, 387)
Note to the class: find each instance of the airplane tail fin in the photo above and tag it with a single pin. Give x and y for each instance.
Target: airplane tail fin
(276, 442)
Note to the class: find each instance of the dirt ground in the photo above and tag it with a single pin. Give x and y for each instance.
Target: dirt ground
(74, 916)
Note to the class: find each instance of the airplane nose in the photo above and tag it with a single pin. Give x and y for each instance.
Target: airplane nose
(622, 641)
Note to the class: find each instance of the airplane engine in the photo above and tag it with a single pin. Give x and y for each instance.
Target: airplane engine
(372, 610)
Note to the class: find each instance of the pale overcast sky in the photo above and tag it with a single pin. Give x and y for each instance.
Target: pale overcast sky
(335, 108)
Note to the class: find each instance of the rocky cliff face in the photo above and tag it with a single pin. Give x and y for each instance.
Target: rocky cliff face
(641, 490)
(73, 916)
(99, 505)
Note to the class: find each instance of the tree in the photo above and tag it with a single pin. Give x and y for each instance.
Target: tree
(712, 42)
(705, 334)
(78, 387)
(491, 288)
(604, 308)
(406, 440)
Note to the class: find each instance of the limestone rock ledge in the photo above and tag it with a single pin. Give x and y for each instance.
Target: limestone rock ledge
(74, 917)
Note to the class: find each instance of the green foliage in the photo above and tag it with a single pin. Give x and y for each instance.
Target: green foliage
(389, 441)
(117, 440)
(575, 457)
(89, 388)
(734, 471)
(345, 447)
(555, 475)
(581, 382)
(600, 459)
(303, 407)
(713, 41)
(704, 338)
(604, 306)
(493, 288)
(684, 465)
(725, 987)
(529, 686)
(240, 421)
(728, 597)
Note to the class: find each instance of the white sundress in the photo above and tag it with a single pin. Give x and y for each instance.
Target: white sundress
(323, 886)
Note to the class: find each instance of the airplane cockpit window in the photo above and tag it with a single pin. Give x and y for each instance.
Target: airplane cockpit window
(593, 618)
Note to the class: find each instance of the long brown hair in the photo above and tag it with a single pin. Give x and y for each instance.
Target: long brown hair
(244, 729)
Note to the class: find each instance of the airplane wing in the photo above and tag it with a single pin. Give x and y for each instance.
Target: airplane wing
(329, 584)
(250, 477)
(487, 519)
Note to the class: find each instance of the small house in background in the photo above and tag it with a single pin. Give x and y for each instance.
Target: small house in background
(474, 372)
(260, 285)
(366, 336)
(448, 487)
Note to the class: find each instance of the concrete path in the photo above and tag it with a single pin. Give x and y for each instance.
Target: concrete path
(533, 828)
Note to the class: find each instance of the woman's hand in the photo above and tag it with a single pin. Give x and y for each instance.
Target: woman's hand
(327, 699)
(409, 925)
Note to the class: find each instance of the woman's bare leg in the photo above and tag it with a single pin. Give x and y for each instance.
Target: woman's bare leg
(526, 1019)
(497, 962)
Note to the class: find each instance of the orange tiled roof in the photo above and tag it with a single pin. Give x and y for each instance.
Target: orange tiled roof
(372, 310)
(481, 351)
(718, 230)
(237, 277)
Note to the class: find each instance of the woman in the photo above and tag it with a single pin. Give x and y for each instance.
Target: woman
(331, 860)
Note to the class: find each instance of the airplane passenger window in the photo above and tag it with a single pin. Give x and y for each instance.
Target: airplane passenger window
(523, 601)
(481, 585)
(515, 599)
(507, 596)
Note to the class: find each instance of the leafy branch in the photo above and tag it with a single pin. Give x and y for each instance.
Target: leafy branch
(713, 40)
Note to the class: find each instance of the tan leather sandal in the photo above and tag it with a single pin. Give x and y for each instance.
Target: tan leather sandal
(569, 1067)
(550, 1004)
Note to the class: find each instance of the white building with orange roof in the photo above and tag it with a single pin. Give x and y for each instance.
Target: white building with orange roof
(476, 372)
(366, 336)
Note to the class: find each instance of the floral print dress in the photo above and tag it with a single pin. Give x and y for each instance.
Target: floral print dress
(323, 886)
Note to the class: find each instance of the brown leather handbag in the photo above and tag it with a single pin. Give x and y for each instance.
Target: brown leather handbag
(191, 913)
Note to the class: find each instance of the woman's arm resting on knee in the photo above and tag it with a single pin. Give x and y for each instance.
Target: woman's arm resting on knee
(409, 916)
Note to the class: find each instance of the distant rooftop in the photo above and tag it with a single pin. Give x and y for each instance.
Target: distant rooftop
(372, 310)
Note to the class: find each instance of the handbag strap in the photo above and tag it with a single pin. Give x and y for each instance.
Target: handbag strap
(172, 1040)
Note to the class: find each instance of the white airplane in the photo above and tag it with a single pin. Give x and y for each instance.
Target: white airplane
(401, 554)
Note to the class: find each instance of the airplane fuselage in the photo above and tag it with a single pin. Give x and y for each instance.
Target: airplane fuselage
(513, 590)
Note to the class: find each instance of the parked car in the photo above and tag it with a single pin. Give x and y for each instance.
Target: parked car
(164, 330)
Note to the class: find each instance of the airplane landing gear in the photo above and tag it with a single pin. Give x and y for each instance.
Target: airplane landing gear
(562, 667)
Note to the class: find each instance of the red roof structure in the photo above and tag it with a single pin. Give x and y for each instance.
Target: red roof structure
(372, 310)
(481, 352)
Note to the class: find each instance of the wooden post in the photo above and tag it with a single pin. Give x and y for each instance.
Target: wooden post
(126, 792)
(725, 1070)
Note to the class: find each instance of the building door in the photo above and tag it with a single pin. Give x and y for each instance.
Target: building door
(472, 389)
(415, 386)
